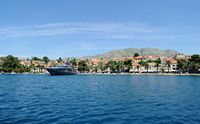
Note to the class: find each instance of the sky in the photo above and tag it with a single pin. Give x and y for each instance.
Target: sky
(75, 28)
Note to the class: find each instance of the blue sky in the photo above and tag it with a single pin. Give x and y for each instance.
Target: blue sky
(65, 28)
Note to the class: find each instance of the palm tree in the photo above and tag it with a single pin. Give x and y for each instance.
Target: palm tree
(168, 63)
(128, 64)
(145, 64)
(112, 65)
(120, 66)
(158, 62)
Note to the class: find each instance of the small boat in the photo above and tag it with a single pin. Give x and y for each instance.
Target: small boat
(61, 70)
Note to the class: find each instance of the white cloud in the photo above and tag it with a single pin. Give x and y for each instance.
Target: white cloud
(107, 30)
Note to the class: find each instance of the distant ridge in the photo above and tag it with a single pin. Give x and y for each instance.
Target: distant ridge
(129, 52)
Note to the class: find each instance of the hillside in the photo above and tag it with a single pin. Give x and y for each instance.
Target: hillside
(131, 51)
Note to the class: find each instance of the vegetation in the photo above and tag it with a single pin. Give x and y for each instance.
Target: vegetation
(157, 63)
(194, 64)
(145, 64)
(12, 64)
(136, 54)
(82, 66)
(168, 63)
(46, 59)
(183, 65)
(59, 60)
(36, 58)
(101, 66)
(128, 65)
(190, 66)
(113, 66)
(73, 62)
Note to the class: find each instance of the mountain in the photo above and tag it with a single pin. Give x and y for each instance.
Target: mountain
(131, 51)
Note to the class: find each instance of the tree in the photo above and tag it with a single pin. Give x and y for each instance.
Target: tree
(73, 62)
(183, 65)
(195, 63)
(168, 63)
(36, 58)
(46, 59)
(128, 64)
(145, 64)
(82, 66)
(195, 58)
(112, 65)
(157, 63)
(101, 66)
(120, 66)
(59, 60)
(136, 54)
(12, 64)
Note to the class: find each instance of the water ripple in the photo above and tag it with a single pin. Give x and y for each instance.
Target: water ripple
(99, 99)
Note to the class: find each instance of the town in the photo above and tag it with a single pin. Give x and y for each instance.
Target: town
(178, 64)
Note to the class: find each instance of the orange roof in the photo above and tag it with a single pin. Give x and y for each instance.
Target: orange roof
(135, 64)
(139, 57)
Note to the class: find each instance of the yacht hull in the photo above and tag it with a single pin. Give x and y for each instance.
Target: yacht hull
(60, 72)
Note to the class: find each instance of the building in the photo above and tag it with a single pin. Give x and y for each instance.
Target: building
(172, 67)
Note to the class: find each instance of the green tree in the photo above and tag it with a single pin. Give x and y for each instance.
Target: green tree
(183, 65)
(168, 64)
(195, 63)
(157, 64)
(12, 64)
(82, 66)
(36, 58)
(112, 65)
(145, 64)
(195, 58)
(59, 60)
(73, 62)
(46, 59)
(136, 54)
(120, 66)
(128, 64)
(101, 66)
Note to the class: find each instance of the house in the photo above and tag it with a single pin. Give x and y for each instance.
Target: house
(172, 65)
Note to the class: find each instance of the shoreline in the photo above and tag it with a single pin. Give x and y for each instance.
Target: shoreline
(117, 74)
(139, 74)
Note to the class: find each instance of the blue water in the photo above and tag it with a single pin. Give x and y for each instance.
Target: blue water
(99, 99)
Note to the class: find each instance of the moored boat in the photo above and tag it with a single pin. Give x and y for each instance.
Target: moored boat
(61, 70)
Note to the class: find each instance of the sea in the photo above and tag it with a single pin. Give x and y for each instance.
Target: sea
(99, 99)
